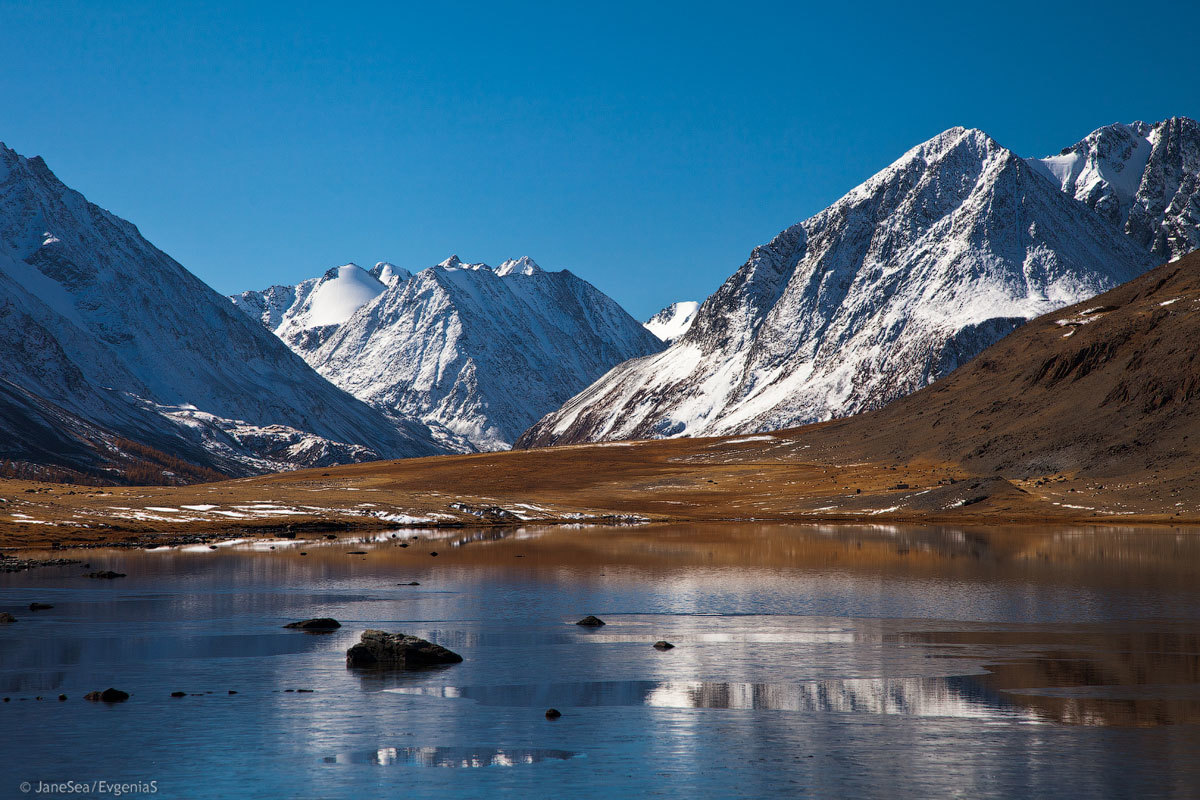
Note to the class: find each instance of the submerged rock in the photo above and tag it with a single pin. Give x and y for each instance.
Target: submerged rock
(109, 695)
(398, 651)
(663, 644)
(591, 622)
(316, 624)
(40, 606)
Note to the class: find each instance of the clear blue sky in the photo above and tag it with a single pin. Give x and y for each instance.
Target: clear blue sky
(645, 146)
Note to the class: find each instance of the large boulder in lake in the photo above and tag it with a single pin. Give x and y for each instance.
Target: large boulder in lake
(381, 649)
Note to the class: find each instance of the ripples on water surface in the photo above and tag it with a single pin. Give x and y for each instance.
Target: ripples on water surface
(809, 661)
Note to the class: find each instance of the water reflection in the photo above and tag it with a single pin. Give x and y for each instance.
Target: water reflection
(923, 697)
(451, 756)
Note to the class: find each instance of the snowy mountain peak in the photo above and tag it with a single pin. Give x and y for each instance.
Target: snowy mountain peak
(389, 274)
(1143, 178)
(673, 321)
(518, 266)
(907, 276)
(97, 322)
(337, 295)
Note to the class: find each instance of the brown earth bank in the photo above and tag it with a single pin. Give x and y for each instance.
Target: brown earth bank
(1084, 415)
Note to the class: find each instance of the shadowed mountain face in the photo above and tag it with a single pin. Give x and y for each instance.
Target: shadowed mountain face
(898, 283)
(103, 326)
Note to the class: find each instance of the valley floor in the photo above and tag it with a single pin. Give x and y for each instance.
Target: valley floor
(811, 474)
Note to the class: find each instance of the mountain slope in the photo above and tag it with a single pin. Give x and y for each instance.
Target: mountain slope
(102, 324)
(898, 283)
(1142, 178)
(481, 352)
(1107, 388)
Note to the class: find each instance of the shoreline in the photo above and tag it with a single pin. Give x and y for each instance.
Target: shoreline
(812, 475)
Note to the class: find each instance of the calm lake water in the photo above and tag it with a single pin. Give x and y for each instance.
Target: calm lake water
(810, 661)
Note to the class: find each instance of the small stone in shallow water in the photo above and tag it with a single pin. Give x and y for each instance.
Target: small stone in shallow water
(663, 644)
(6, 618)
(178, 694)
(212, 547)
(109, 695)
(62, 698)
(108, 574)
(233, 691)
(553, 713)
(434, 553)
(591, 622)
(357, 553)
(317, 624)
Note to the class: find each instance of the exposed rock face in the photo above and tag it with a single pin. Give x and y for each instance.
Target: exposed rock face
(898, 283)
(397, 651)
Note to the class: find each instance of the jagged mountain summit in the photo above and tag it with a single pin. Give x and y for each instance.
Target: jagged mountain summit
(673, 321)
(896, 284)
(482, 352)
(1143, 178)
(101, 328)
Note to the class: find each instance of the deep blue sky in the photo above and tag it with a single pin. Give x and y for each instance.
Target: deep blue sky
(645, 146)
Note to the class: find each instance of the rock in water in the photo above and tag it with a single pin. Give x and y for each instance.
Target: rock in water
(663, 644)
(553, 713)
(397, 651)
(109, 695)
(591, 622)
(317, 624)
(6, 618)
(108, 574)
(39, 606)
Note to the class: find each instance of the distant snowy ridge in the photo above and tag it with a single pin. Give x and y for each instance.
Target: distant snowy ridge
(900, 281)
(476, 351)
(673, 321)
(103, 326)
(1142, 178)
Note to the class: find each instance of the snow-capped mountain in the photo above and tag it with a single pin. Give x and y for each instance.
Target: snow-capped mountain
(673, 321)
(906, 277)
(483, 352)
(102, 326)
(1143, 178)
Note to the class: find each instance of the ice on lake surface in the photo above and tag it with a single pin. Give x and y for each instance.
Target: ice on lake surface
(809, 661)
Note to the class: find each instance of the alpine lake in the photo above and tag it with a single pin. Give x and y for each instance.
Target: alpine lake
(808, 661)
